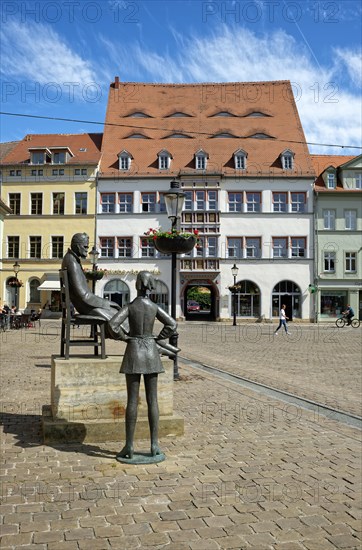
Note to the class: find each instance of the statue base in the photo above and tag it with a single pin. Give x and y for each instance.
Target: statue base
(142, 458)
(88, 402)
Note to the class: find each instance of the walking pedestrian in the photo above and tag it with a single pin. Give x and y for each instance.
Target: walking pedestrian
(282, 321)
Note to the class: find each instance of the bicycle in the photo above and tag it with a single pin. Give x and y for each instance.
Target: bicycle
(342, 321)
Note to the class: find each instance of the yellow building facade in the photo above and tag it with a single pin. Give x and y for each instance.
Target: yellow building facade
(49, 182)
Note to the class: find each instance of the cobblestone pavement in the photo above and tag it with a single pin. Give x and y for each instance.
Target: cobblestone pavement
(320, 363)
(250, 472)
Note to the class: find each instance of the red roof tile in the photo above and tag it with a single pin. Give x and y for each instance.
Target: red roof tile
(321, 163)
(201, 102)
(90, 142)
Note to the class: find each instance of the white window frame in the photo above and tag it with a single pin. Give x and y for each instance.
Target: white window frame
(252, 244)
(331, 180)
(124, 247)
(147, 248)
(350, 220)
(252, 205)
(125, 206)
(107, 248)
(150, 203)
(106, 205)
(287, 160)
(233, 205)
(358, 180)
(329, 219)
(329, 262)
(280, 251)
(279, 204)
(298, 247)
(235, 244)
(350, 262)
(201, 160)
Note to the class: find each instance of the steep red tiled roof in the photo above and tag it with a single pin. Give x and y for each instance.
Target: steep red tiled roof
(201, 102)
(321, 163)
(91, 142)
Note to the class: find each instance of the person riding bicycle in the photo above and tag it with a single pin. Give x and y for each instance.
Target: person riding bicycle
(349, 313)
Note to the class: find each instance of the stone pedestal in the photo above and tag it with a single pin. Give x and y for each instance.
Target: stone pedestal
(89, 397)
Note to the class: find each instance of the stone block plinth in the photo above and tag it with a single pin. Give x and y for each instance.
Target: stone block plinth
(89, 397)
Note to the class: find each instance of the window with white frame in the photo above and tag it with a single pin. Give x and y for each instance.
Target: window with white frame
(329, 219)
(329, 261)
(35, 247)
(124, 247)
(235, 247)
(58, 203)
(164, 160)
(200, 200)
(280, 201)
(287, 158)
(124, 160)
(201, 160)
(125, 202)
(81, 202)
(147, 248)
(350, 219)
(57, 247)
(235, 201)
(148, 201)
(253, 202)
(252, 247)
(108, 201)
(13, 247)
(350, 262)
(200, 247)
(331, 180)
(107, 247)
(298, 247)
(240, 159)
(358, 180)
(211, 247)
(36, 203)
(280, 247)
(297, 201)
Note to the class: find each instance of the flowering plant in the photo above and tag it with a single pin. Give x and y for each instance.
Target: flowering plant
(95, 275)
(16, 282)
(172, 234)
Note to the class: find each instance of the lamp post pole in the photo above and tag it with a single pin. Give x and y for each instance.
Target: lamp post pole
(16, 268)
(174, 200)
(234, 272)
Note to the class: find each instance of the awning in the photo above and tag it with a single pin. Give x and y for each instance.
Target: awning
(49, 285)
(50, 281)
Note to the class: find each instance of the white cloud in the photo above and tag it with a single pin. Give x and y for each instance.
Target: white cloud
(352, 60)
(39, 54)
(328, 112)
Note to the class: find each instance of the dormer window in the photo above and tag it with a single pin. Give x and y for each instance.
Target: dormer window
(240, 157)
(178, 136)
(224, 135)
(137, 136)
(256, 114)
(178, 114)
(224, 114)
(201, 160)
(164, 160)
(287, 158)
(40, 155)
(59, 157)
(125, 159)
(261, 135)
(138, 114)
(331, 180)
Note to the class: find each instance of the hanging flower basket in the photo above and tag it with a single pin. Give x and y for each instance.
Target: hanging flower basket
(169, 242)
(94, 275)
(16, 284)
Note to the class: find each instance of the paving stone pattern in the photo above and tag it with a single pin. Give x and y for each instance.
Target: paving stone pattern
(249, 472)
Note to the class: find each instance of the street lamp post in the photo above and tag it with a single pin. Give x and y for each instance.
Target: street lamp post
(234, 272)
(174, 200)
(16, 268)
(94, 253)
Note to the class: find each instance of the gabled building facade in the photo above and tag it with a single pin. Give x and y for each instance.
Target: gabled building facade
(338, 227)
(49, 182)
(239, 153)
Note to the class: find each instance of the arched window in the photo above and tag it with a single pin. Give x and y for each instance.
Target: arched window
(247, 301)
(34, 293)
(287, 293)
(117, 291)
(160, 295)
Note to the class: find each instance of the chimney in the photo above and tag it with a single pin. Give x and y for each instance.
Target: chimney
(116, 82)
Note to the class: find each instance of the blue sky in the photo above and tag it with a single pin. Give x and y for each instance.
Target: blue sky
(58, 58)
